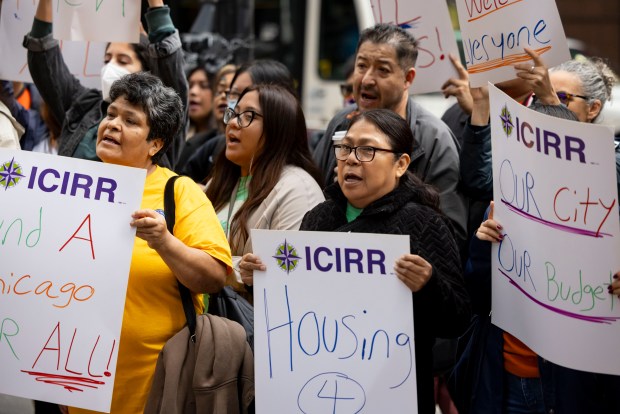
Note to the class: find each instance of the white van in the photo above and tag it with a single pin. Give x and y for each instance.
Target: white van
(332, 32)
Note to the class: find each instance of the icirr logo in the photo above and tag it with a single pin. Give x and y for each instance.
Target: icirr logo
(506, 118)
(287, 257)
(10, 174)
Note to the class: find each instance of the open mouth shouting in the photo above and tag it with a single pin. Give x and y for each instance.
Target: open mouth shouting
(232, 140)
(351, 178)
(107, 139)
(368, 98)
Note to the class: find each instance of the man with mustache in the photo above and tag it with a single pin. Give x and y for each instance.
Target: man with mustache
(384, 70)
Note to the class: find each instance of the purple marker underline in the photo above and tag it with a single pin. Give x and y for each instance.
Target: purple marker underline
(596, 319)
(556, 226)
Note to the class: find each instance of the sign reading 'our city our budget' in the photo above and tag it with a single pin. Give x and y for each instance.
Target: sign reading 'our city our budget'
(555, 195)
(65, 250)
(333, 325)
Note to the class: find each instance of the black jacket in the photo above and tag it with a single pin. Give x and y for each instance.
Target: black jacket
(441, 308)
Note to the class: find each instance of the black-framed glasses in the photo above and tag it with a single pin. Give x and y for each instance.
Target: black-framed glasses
(244, 119)
(566, 97)
(363, 153)
(346, 89)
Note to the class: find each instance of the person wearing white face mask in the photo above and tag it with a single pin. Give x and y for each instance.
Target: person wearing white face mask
(110, 73)
(80, 109)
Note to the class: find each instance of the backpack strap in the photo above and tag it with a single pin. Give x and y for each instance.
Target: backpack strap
(186, 296)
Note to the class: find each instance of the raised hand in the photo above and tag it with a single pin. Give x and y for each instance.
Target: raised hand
(536, 75)
(459, 87)
(490, 230)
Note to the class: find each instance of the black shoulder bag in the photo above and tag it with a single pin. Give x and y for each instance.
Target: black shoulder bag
(227, 303)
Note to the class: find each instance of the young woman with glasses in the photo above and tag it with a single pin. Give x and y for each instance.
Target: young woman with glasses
(265, 178)
(257, 72)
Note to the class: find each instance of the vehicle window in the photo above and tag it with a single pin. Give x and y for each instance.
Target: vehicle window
(339, 33)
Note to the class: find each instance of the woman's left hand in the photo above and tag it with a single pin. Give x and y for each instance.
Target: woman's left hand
(413, 271)
(248, 264)
(614, 288)
(150, 226)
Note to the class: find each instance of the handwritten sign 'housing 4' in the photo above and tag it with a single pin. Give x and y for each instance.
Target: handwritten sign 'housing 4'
(333, 324)
(65, 250)
(555, 195)
(494, 33)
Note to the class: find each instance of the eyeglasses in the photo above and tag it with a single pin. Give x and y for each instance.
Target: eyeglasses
(346, 89)
(244, 119)
(363, 153)
(566, 97)
(232, 95)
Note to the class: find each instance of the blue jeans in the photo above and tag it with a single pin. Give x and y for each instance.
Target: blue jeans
(522, 395)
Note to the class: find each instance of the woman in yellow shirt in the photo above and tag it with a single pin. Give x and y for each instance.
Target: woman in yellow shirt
(141, 120)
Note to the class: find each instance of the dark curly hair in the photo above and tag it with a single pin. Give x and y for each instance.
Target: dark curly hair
(161, 104)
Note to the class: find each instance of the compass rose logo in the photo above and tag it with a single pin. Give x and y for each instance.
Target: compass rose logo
(10, 174)
(286, 256)
(506, 119)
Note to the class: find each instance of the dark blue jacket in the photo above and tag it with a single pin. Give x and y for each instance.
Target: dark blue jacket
(481, 391)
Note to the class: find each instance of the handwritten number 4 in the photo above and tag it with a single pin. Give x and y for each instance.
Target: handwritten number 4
(334, 397)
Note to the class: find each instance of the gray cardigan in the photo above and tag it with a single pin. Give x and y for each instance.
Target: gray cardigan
(293, 196)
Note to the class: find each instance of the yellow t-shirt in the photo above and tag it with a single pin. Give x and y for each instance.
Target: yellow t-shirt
(153, 309)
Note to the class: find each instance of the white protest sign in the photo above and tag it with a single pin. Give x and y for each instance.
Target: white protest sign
(430, 24)
(92, 20)
(555, 195)
(84, 59)
(64, 264)
(495, 32)
(333, 325)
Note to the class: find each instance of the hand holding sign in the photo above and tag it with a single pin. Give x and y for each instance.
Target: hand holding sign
(537, 77)
(151, 227)
(248, 264)
(614, 288)
(490, 230)
(414, 271)
(459, 87)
